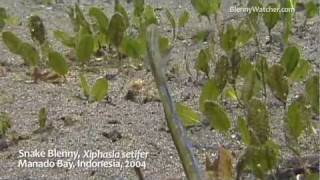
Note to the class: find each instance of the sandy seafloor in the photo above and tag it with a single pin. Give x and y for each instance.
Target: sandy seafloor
(142, 126)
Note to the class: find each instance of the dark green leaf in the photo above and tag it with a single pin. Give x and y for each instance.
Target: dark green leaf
(149, 16)
(221, 75)
(261, 159)
(58, 63)
(235, 60)
(13, 21)
(201, 36)
(133, 47)
(11, 41)
(206, 7)
(217, 116)
(138, 7)
(172, 22)
(80, 19)
(183, 19)
(84, 85)
(171, 19)
(254, 15)
(251, 86)
(311, 9)
(245, 67)
(271, 18)
(37, 29)
(120, 9)
(258, 121)
(230, 93)
(164, 45)
(229, 38)
(209, 92)
(42, 117)
(100, 41)
(301, 71)
(2, 24)
(29, 54)
(3, 16)
(262, 66)
(262, 69)
(116, 29)
(3, 13)
(99, 90)
(278, 82)
(290, 59)
(202, 63)
(65, 38)
(244, 131)
(5, 123)
(298, 117)
(101, 19)
(312, 92)
(287, 19)
(84, 47)
(244, 34)
(271, 153)
(72, 15)
(44, 49)
(188, 116)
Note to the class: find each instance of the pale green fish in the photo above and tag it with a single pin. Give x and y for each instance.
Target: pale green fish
(178, 133)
